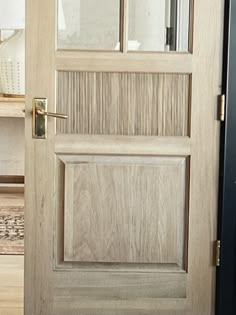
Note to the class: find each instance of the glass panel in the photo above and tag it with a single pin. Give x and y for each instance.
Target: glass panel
(158, 25)
(88, 24)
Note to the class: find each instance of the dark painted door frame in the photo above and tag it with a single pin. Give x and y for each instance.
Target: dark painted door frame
(226, 273)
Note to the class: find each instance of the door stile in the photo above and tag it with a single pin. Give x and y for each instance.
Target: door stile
(40, 81)
(206, 82)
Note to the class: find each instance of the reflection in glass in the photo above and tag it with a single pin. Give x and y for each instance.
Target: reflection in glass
(158, 25)
(152, 25)
(88, 24)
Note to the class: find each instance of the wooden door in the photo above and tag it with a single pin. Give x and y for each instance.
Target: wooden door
(121, 199)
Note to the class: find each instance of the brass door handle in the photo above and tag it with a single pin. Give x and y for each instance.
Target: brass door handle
(40, 117)
(56, 115)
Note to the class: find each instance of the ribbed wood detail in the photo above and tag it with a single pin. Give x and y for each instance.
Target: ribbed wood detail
(123, 103)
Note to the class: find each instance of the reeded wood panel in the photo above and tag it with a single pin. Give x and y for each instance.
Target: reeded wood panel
(125, 210)
(123, 103)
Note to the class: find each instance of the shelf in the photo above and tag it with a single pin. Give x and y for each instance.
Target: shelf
(12, 179)
(12, 199)
(12, 107)
(11, 183)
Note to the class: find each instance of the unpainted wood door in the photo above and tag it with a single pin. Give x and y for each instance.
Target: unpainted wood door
(121, 199)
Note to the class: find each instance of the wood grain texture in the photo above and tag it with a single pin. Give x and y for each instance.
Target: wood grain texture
(123, 103)
(40, 80)
(42, 290)
(11, 311)
(123, 286)
(85, 144)
(124, 62)
(120, 209)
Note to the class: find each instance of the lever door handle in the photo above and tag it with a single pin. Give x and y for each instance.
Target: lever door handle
(40, 115)
(55, 115)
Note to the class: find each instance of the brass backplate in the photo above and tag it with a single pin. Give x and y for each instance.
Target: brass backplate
(39, 121)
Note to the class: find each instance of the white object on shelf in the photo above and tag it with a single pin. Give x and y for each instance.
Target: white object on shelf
(12, 64)
(12, 50)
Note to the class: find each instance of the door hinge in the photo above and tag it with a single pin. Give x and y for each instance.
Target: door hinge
(169, 36)
(217, 253)
(222, 107)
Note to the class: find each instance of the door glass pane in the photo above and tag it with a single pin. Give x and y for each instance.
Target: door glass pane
(158, 25)
(88, 24)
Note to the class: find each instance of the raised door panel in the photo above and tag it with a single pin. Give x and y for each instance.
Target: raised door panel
(125, 209)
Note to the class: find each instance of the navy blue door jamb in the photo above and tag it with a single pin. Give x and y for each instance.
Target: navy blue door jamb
(226, 273)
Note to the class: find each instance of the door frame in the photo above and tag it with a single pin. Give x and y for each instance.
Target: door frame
(226, 273)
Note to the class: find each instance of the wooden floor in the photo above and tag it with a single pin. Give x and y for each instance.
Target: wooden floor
(11, 285)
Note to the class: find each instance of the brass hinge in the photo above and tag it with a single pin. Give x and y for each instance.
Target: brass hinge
(222, 107)
(217, 253)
